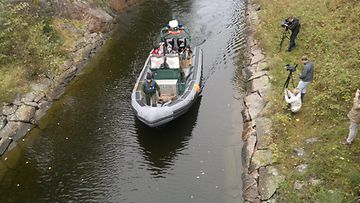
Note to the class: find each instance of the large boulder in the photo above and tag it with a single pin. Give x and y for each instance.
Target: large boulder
(5, 138)
(263, 129)
(55, 91)
(261, 85)
(67, 75)
(255, 103)
(21, 130)
(269, 181)
(261, 158)
(4, 144)
(251, 194)
(43, 86)
(257, 56)
(24, 114)
(9, 109)
(44, 106)
(256, 68)
(248, 149)
(3, 121)
(99, 20)
(29, 97)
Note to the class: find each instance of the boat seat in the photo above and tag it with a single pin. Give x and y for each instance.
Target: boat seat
(155, 62)
(173, 61)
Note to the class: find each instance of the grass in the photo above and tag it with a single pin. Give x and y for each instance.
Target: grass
(329, 37)
(65, 28)
(12, 82)
(33, 43)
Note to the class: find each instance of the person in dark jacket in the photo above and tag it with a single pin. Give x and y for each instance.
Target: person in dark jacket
(292, 24)
(149, 88)
(306, 76)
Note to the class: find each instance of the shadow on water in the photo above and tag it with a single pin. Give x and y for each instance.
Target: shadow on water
(160, 146)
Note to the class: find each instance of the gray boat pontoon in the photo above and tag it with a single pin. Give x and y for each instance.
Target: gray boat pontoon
(178, 76)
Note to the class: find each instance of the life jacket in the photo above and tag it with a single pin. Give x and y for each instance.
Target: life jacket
(150, 89)
(186, 54)
(155, 51)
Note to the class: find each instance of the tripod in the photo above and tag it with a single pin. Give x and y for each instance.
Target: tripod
(283, 36)
(290, 77)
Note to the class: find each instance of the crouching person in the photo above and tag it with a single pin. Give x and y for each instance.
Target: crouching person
(293, 99)
(149, 88)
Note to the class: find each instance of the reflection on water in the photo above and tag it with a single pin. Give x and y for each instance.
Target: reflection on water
(161, 145)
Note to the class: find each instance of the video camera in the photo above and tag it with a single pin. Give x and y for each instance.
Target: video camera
(285, 23)
(290, 68)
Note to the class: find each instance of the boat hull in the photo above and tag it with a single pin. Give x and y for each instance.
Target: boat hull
(160, 115)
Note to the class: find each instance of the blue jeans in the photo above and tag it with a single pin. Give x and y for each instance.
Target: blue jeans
(352, 132)
(302, 86)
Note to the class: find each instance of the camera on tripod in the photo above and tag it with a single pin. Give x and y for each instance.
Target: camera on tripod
(291, 68)
(285, 23)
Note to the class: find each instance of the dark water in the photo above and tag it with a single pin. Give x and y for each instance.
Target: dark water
(90, 147)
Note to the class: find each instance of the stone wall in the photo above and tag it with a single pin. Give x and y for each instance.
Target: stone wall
(261, 177)
(20, 116)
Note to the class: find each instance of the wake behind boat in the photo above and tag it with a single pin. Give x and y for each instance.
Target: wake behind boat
(170, 80)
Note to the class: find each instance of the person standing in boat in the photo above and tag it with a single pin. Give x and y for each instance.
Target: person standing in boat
(149, 88)
(186, 57)
(175, 27)
(158, 51)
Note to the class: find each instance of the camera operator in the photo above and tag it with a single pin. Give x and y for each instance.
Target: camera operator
(306, 76)
(354, 116)
(292, 24)
(294, 99)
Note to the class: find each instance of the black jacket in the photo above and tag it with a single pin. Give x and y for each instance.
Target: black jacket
(294, 26)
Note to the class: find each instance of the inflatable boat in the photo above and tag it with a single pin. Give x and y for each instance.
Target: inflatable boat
(176, 67)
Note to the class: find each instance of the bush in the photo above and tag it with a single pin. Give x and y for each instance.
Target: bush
(27, 39)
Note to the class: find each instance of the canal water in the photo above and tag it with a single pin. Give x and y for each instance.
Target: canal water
(91, 148)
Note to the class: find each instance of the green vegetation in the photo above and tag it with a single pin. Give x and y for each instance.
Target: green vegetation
(329, 36)
(29, 47)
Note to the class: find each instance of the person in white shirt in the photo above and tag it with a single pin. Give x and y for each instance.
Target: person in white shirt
(294, 99)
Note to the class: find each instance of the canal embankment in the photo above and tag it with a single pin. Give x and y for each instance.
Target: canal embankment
(261, 178)
(84, 27)
(306, 147)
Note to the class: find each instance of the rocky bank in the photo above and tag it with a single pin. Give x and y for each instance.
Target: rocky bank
(261, 177)
(20, 116)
